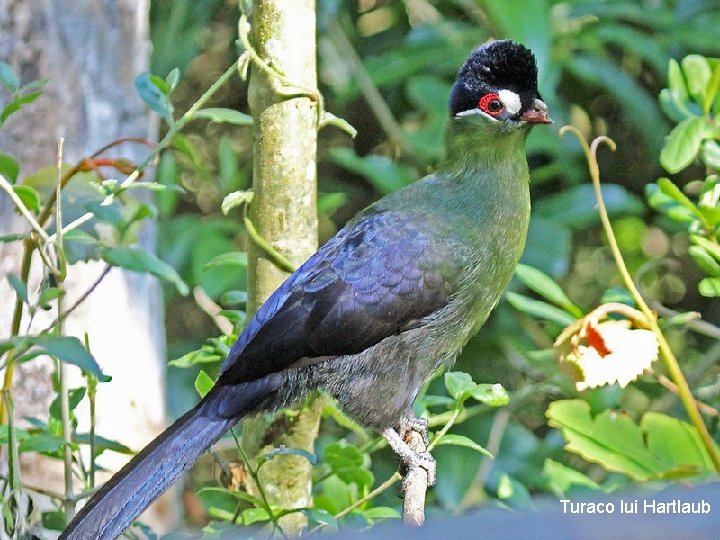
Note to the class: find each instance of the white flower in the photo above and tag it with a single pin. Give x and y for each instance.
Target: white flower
(610, 352)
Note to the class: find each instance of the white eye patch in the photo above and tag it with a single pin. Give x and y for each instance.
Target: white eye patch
(511, 101)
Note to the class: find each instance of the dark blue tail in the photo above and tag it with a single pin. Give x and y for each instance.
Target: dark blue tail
(112, 509)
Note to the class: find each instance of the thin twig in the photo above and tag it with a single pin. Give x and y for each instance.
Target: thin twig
(212, 309)
(370, 92)
(27, 214)
(497, 430)
(704, 407)
(68, 504)
(84, 296)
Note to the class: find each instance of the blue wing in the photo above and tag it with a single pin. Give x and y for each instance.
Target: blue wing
(375, 278)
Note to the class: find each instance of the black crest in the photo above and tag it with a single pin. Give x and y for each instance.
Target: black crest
(495, 66)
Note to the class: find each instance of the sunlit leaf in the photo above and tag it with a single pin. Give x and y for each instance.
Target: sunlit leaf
(683, 144)
(539, 309)
(709, 287)
(614, 441)
(697, 74)
(71, 350)
(235, 199)
(9, 168)
(461, 440)
(546, 287)
(143, 261)
(29, 197)
(203, 383)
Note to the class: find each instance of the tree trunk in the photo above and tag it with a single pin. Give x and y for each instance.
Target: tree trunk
(284, 213)
(91, 51)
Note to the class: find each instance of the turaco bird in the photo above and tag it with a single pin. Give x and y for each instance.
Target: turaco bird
(390, 298)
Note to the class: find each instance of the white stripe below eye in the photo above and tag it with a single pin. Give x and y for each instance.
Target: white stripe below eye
(511, 101)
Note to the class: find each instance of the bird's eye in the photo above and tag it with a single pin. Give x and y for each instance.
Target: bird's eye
(491, 104)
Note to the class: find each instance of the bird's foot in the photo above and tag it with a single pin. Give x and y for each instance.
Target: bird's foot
(411, 459)
(418, 425)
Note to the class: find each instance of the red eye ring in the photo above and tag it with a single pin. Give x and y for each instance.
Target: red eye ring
(491, 104)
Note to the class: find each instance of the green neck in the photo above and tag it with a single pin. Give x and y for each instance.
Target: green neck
(478, 149)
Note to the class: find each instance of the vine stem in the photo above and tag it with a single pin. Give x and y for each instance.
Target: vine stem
(669, 360)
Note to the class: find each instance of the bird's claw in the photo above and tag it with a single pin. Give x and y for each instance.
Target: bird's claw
(425, 461)
(418, 425)
(411, 460)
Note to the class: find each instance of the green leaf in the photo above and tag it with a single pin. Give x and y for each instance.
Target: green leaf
(203, 383)
(234, 298)
(224, 116)
(614, 441)
(172, 79)
(561, 478)
(712, 90)
(697, 74)
(139, 260)
(54, 520)
(676, 80)
(544, 285)
(709, 287)
(254, 515)
(153, 95)
(231, 258)
(538, 309)
(70, 350)
(75, 396)
(9, 168)
(29, 197)
(711, 154)
(102, 444)
(459, 384)
(7, 238)
(20, 287)
(676, 194)
(461, 440)
(234, 199)
(160, 83)
(493, 395)
(16, 104)
(8, 77)
(47, 296)
(675, 441)
(713, 248)
(348, 463)
(220, 503)
(683, 144)
(382, 512)
(42, 442)
(705, 261)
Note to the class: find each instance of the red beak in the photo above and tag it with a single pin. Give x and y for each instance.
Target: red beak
(538, 114)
